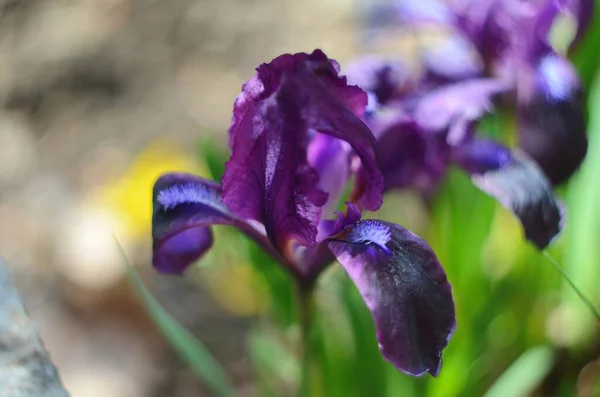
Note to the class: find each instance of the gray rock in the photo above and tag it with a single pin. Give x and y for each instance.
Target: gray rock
(25, 366)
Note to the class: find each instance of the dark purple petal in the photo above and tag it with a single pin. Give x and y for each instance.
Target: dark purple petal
(552, 128)
(332, 109)
(455, 106)
(410, 157)
(267, 80)
(521, 187)
(185, 206)
(489, 24)
(268, 178)
(312, 260)
(405, 288)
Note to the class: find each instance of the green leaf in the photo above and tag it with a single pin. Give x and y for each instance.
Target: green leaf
(583, 227)
(275, 364)
(521, 378)
(587, 57)
(214, 156)
(190, 349)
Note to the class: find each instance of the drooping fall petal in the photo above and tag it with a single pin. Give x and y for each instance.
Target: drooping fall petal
(405, 288)
(516, 182)
(185, 206)
(552, 128)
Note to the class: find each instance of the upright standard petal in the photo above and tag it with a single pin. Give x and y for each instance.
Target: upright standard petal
(332, 110)
(405, 288)
(518, 184)
(268, 178)
(185, 206)
(552, 128)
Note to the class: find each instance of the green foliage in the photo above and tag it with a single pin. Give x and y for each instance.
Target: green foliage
(522, 377)
(201, 362)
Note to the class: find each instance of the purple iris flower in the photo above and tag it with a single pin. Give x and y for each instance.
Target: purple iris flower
(297, 140)
(494, 53)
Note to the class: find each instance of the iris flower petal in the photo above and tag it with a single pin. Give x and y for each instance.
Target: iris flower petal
(410, 157)
(405, 288)
(454, 107)
(516, 182)
(330, 157)
(552, 128)
(269, 177)
(185, 206)
(329, 112)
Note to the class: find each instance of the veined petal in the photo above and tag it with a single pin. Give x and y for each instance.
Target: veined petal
(517, 183)
(405, 288)
(329, 111)
(185, 206)
(269, 177)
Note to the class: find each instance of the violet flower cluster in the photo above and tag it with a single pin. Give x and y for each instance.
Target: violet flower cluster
(301, 136)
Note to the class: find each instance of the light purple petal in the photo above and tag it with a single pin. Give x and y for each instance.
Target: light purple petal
(185, 206)
(425, 11)
(453, 57)
(453, 107)
(405, 288)
(330, 157)
(383, 77)
(520, 186)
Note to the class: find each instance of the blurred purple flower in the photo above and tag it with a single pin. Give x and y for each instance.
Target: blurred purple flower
(493, 49)
(295, 136)
(508, 40)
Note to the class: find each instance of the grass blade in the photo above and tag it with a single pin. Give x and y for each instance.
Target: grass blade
(190, 349)
(521, 378)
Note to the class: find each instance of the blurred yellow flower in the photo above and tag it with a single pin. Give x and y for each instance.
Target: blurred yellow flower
(130, 196)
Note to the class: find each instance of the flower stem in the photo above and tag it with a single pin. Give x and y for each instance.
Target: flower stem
(305, 313)
(585, 299)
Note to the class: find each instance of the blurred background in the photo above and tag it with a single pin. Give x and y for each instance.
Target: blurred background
(98, 98)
